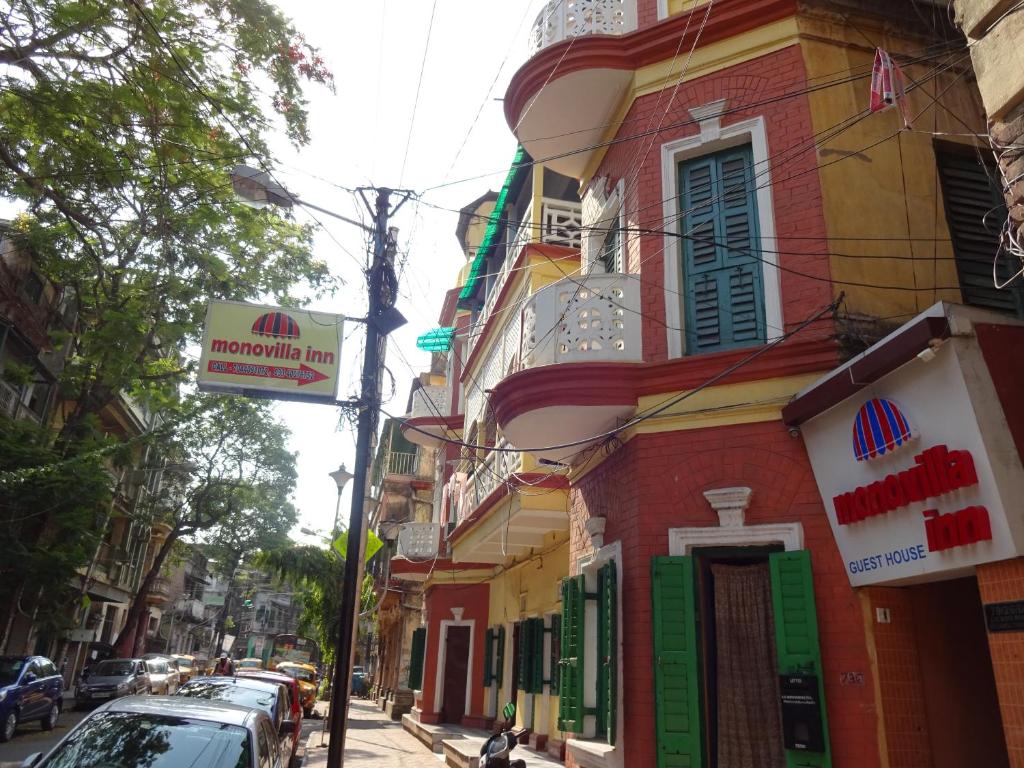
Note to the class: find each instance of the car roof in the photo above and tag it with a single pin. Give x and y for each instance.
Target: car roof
(241, 682)
(263, 674)
(182, 706)
(298, 664)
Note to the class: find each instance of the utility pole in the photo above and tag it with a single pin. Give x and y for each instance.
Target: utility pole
(381, 319)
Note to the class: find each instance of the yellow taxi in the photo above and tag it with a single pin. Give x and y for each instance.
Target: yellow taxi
(249, 663)
(186, 666)
(305, 676)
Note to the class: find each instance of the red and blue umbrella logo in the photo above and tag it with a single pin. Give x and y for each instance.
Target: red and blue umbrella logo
(879, 428)
(277, 325)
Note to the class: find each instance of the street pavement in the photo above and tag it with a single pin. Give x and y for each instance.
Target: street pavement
(373, 741)
(32, 738)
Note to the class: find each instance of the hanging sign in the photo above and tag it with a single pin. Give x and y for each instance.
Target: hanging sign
(276, 352)
(910, 485)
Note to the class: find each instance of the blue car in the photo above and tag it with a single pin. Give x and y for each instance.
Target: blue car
(30, 689)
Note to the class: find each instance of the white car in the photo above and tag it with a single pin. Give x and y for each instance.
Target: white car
(163, 676)
(169, 732)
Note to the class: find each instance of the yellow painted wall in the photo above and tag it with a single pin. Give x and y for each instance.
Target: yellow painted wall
(534, 581)
(892, 189)
(474, 236)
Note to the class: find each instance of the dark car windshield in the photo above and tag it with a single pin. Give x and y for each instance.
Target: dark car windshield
(112, 669)
(10, 669)
(230, 692)
(134, 740)
(298, 673)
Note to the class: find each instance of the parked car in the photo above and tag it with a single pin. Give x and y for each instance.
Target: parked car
(30, 689)
(186, 666)
(163, 675)
(112, 678)
(305, 675)
(249, 663)
(168, 732)
(294, 696)
(270, 697)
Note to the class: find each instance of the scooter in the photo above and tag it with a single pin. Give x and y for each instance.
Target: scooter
(495, 751)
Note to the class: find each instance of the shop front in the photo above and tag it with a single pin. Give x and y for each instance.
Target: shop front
(915, 447)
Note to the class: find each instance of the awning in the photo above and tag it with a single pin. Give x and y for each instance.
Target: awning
(521, 163)
(436, 340)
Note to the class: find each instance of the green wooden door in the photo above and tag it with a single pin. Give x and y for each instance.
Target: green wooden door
(796, 636)
(419, 643)
(676, 670)
(570, 693)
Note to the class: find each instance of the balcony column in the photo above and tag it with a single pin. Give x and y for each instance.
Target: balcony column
(536, 204)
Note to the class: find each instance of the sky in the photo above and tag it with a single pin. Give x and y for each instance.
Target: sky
(359, 137)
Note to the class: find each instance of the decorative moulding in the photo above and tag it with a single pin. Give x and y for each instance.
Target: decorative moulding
(710, 118)
(457, 613)
(730, 504)
(595, 529)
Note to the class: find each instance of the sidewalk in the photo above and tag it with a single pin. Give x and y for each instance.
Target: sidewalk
(373, 741)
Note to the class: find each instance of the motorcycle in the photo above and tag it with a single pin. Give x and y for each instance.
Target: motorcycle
(496, 750)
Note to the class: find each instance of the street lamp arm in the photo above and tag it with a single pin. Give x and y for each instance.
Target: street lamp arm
(346, 219)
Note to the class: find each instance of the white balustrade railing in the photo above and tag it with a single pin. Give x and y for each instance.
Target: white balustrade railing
(431, 401)
(562, 19)
(583, 319)
(418, 541)
(484, 477)
(561, 223)
(523, 236)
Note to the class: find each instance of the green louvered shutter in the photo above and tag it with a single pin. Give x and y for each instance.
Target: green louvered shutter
(556, 651)
(522, 656)
(536, 661)
(676, 675)
(488, 656)
(723, 295)
(608, 641)
(499, 674)
(796, 636)
(570, 691)
(419, 643)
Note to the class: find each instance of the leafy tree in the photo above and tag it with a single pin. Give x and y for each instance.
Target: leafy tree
(121, 122)
(57, 504)
(230, 490)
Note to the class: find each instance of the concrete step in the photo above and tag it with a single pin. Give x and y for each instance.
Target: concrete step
(465, 753)
(430, 735)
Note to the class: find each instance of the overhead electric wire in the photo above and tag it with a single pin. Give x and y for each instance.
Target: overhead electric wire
(416, 100)
(653, 410)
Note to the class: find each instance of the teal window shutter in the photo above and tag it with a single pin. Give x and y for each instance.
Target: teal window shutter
(608, 677)
(723, 295)
(419, 643)
(570, 691)
(488, 656)
(676, 664)
(796, 636)
(499, 675)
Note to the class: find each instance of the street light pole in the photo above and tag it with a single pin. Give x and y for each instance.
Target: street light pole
(381, 318)
(340, 476)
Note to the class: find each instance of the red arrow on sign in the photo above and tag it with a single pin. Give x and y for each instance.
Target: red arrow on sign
(303, 374)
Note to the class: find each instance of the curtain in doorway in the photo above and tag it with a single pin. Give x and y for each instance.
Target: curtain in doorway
(749, 720)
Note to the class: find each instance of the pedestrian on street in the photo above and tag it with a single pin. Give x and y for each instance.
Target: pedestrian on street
(224, 666)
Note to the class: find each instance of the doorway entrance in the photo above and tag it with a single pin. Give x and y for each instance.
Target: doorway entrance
(739, 661)
(958, 686)
(456, 665)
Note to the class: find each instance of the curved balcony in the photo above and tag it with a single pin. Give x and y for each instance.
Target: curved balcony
(561, 19)
(578, 335)
(430, 418)
(563, 103)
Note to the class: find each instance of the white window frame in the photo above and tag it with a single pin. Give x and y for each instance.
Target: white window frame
(713, 137)
(442, 657)
(589, 751)
(613, 211)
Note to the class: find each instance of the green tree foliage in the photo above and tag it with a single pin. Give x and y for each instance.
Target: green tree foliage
(230, 487)
(58, 504)
(121, 120)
